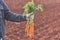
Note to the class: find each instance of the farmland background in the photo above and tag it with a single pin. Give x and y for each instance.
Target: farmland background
(47, 23)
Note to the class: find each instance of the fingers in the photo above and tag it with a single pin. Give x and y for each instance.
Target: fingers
(32, 16)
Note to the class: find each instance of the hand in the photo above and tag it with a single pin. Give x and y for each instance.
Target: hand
(30, 15)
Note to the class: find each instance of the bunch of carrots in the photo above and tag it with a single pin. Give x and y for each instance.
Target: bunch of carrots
(29, 8)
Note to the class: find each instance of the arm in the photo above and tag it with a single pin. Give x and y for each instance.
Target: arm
(12, 16)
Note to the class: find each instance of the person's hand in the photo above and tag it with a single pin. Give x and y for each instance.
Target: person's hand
(30, 15)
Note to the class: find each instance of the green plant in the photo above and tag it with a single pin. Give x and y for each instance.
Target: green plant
(29, 8)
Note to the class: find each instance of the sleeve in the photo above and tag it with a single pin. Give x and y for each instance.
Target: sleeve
(8, 15)
(14, 17)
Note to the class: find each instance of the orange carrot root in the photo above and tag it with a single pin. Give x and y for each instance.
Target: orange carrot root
(29, 30)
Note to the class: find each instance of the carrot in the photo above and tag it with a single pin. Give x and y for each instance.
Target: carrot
(29, 29)
(29, 8)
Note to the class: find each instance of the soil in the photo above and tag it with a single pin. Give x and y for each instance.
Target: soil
(47, 23)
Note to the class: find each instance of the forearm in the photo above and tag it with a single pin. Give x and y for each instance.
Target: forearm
(14, 17)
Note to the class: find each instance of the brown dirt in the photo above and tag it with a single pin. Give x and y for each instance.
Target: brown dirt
(47, 23)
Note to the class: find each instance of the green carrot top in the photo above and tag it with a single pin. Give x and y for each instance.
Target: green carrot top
(30, 7)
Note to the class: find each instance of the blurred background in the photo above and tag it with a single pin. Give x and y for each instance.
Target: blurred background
(47, 23)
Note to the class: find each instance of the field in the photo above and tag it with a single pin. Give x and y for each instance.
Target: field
(47, 23)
